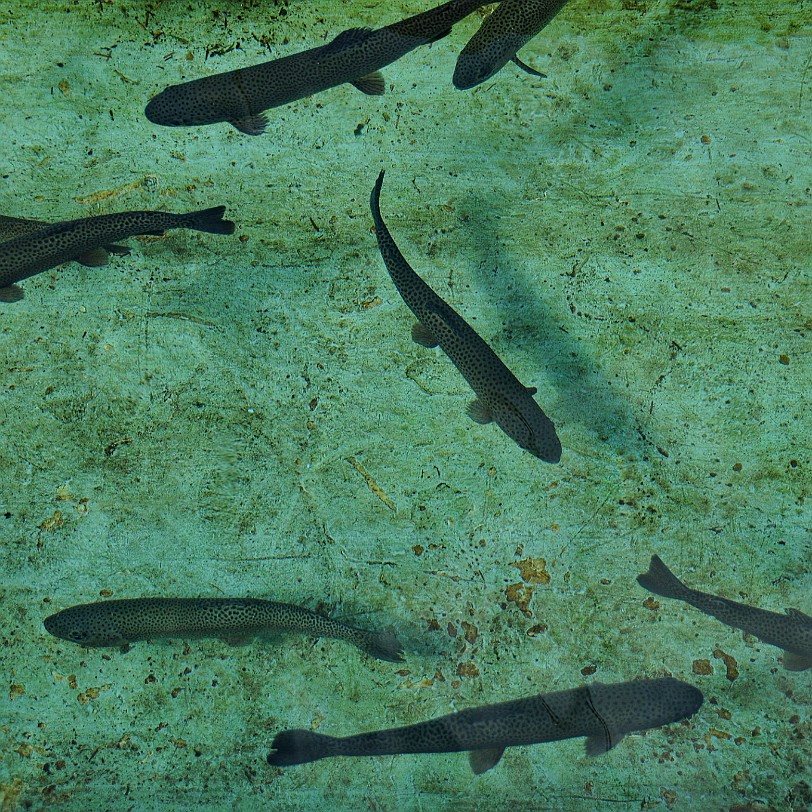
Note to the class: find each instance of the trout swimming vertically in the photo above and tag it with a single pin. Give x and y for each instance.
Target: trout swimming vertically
(355, 56)
(234, 620)
(33, 251)
(602, 713)
(791, 632)
(510, 27)
(501, 398)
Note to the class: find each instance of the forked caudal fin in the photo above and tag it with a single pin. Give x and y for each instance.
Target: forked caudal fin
(298, 747)
(210, 220)
(660, 580)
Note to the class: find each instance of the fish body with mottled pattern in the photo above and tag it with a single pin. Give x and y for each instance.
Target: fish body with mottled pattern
(235, 620)
(510, 27)
(355, 56)
(602, 713)
(791, 632)
(33, 250)
(501, 397)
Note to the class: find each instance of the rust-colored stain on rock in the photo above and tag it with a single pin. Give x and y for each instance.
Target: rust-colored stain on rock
(533, 570)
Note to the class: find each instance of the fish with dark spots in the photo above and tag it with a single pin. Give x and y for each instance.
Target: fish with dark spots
(510, 27)
(501, 398)
(235, 620)
(33, 250)
(602, 713)
(356, 56)
(791, 632)
(11, 227)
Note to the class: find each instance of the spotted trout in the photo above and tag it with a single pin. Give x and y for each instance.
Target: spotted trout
(510, 27)
(791, 632)
(501, 398)
(602, 713)
(234, 620)
(356, 56)
(32, 250)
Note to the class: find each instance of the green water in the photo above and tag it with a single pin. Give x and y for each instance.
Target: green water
(248, 415)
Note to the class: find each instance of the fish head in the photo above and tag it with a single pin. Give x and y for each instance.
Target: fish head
(72, 625)
(528, 426)
(485, 55)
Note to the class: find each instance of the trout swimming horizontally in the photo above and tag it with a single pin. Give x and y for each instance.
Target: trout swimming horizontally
(501, 398)
(234, 620)
(510, 27)
(792, 632)
(355, 56)
(602, 713)
(33, 250)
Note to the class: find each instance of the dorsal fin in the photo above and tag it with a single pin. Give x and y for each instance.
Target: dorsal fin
(350, 38)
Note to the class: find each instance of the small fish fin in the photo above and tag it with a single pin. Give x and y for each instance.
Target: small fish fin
(346, 39)
(483, 760)
(237, 639)
(250, 125)
(209, 220)
(796, 662)
(124, 647)
(479, 412)
(94, 258)
(661, 581)
(381, 645)
(12, 293)
(527, 69)
(597, 745)
(298, 747)
(373, 84)
(797, 614)
(423, 336)
(531, 390)
(118, 250)
(439, 36)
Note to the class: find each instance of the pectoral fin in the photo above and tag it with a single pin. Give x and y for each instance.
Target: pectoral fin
(483, 760)
(479, 412)
(423, 336)
(796, 662)
(596, 745)
(527, 69)
(94, 258)
(250, 125)
(237, 639)
(373, 84)
(12, 293)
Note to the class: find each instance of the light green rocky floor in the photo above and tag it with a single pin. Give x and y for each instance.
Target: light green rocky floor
(630, 234)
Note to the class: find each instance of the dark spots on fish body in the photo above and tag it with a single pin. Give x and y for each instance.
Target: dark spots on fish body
(502, 397)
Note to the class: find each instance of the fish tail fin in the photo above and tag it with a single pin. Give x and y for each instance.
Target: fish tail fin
(298, 747)
(210, 220)
(661, 581)
(381, 645)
